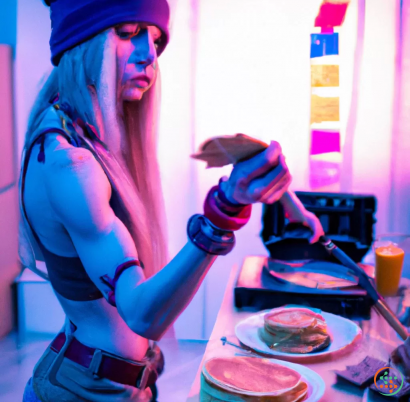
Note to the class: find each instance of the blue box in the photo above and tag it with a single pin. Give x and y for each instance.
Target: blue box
(324, 44)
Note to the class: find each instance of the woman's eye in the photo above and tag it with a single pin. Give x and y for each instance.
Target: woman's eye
(124, 35)
(127, 33)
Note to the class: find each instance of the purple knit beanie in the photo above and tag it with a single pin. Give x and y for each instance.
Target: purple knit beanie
(75, 21)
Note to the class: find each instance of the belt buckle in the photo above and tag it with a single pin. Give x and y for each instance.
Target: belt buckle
(95, 363)
(143, 379)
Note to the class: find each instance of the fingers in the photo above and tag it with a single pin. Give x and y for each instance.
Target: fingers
(259, 164)
(265, 187)
(276, 192)
(317, 233)
(316, 227)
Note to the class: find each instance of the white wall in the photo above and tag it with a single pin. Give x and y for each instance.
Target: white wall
(254, 78)
(177, 131)
(374, 127)
(32, 58)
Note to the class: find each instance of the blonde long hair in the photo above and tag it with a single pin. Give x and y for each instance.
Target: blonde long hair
(86, 79)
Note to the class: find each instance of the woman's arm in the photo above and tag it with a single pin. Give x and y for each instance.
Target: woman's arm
(79, 193)
(152, 306)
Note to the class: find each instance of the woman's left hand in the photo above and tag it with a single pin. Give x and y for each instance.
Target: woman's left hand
(313, 223)
(297, 213)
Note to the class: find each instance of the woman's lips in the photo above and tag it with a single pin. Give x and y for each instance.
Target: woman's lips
(140, 82)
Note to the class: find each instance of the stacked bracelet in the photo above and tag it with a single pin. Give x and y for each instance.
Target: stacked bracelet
(224, 214)
(208, 237)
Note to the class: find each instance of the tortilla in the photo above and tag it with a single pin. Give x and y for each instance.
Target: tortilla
(229, 149)
(252, 374)
(250, 379)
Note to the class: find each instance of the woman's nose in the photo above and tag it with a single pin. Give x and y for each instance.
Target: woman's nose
(144, 49)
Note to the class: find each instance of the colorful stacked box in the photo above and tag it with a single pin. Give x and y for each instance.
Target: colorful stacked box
(325, 150)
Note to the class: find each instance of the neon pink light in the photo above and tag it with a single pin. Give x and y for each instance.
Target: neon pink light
(331, 14)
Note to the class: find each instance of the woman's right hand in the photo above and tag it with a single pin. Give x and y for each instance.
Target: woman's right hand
(263, 178)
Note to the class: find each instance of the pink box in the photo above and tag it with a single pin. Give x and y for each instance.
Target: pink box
(7, 148)
(324, 141)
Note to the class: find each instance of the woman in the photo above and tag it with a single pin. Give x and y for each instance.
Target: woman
(91, 201)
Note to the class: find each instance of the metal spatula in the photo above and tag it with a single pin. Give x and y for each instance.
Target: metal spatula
(364, 281)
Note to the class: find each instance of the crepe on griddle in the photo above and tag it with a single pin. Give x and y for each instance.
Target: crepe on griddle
(224, 150)
(254, 378)
(295, 330)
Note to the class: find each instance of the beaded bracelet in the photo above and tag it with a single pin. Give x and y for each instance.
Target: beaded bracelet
(208, 237)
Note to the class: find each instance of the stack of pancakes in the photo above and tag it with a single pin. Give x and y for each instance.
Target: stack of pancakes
(250, 379)
(295, 330)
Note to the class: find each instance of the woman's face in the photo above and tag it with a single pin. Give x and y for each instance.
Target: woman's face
(136, 58)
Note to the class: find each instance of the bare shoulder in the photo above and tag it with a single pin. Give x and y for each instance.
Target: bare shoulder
(76, 184)
(64, 160)
(61, 155)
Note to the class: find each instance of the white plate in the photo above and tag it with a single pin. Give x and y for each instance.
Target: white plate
(315, 383)
(343, 333)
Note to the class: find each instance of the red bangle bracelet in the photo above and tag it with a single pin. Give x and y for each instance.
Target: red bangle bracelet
(111, 283)
(221, 219)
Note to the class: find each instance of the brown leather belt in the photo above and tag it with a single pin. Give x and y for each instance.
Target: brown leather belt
(105, 365)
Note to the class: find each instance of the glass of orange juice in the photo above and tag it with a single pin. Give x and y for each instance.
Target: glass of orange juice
(390, 251)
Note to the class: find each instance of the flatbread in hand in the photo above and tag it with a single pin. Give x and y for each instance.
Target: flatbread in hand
(229, 149)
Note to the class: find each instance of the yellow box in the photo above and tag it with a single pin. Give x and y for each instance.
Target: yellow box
(324, 109)
(324, 75)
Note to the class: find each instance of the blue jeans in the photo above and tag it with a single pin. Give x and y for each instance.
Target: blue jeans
(29, 394)
(56, 378)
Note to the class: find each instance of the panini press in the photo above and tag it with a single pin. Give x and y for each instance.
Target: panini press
(348, 220)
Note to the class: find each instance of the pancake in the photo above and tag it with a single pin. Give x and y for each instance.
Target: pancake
(295, 330)
(252, 374)
(224, 150)
(253, 378)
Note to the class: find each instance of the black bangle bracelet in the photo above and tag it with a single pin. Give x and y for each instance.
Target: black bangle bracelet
(208, 237)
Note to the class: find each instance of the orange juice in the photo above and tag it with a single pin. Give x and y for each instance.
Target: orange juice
(389, 263)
